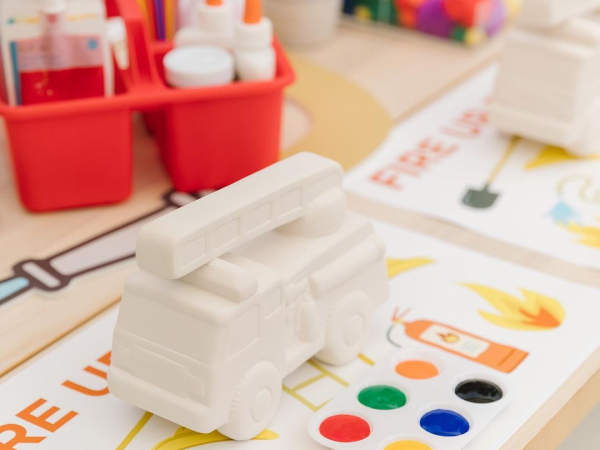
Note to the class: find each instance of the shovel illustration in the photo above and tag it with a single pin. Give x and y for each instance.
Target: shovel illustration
(485, 198)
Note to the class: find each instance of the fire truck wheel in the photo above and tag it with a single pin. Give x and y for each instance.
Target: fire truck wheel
(254, 402)
(346, 329)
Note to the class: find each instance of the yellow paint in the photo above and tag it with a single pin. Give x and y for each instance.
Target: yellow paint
(407, 445)
(398, 266)
(184, 439)
(549, 155)
(536, 312)
(347, 123)
(590, 236)
(134, 431)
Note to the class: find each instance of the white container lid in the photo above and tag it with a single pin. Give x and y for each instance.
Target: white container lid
(198, 65)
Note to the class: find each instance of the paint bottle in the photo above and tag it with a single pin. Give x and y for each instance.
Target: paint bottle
(480, 350)
(215, 26)
(254, 54)
(197, 66)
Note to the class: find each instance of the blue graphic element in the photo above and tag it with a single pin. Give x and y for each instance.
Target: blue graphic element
(92, 44)
(443, 422)
(563, 214)
(11, 21)
(11, 287)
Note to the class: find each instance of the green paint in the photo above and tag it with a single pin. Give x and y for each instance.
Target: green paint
(382, 397)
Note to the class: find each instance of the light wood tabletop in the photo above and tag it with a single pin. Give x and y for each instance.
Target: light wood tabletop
(402, 72)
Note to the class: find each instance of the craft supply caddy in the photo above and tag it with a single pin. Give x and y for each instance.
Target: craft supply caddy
(79, 153)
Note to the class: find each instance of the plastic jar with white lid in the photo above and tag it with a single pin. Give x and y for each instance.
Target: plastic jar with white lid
(198, 65)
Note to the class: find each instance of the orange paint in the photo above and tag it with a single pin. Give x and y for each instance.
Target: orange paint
(417, 370)
(253, 12)
(214, 2)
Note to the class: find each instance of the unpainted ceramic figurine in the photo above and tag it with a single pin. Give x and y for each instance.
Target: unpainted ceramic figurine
(238, 289)
(548, 86)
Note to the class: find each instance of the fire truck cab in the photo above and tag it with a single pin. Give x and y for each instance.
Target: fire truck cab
(238, 289)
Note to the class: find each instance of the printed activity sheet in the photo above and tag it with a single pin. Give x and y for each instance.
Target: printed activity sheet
(526, 326)
(449, 162)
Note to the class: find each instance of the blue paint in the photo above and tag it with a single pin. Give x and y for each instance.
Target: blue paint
(443, 422)
(12, 286)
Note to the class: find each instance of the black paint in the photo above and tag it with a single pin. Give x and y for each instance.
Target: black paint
(478, 391)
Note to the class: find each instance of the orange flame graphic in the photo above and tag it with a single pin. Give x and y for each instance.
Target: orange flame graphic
(536, 312)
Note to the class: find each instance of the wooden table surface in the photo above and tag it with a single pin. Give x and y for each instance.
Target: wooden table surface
(403, 72)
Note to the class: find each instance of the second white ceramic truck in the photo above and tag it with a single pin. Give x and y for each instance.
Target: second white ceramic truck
(548, 87)
(238, 289)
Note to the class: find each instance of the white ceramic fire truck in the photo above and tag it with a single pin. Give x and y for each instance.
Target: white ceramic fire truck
(238, 289)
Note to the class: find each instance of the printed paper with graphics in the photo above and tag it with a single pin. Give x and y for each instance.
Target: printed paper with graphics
(521, 324)
(449, 162)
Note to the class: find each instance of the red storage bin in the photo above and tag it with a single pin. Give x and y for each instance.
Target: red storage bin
(79, 153)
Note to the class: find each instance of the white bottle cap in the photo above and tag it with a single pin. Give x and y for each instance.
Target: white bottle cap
(254, 36)
(217, 19)
(198, 65)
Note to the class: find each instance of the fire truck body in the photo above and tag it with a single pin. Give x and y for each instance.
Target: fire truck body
(209, 350)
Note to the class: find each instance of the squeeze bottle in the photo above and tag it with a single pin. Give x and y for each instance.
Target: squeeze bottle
(215, 26)
(254, 54)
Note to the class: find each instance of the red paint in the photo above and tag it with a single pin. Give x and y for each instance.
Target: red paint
(345, 428)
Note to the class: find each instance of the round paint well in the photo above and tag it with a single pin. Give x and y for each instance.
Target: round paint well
(446, 423)
(382, 397)
(478, 391)
(407, 445)
(416, 369)
(345, 428)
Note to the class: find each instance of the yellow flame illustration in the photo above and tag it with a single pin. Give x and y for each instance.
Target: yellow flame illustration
(536, 312)
(398, 266)
(590, 236)
(554, 155)
(184, 439)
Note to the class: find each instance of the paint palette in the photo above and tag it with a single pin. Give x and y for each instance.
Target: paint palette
(416, 400)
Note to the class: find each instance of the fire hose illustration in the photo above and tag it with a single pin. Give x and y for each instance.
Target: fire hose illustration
(58, 271)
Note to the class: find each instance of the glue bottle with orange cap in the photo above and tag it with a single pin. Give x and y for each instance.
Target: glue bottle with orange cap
(254, 54)
(215, 26)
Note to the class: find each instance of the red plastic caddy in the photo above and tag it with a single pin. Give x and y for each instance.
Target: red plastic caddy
(79, 153)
